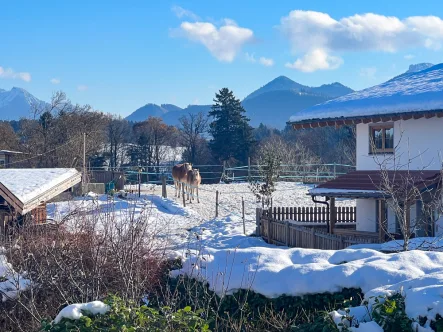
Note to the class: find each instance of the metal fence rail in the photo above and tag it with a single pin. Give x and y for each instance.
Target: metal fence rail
(308, 173)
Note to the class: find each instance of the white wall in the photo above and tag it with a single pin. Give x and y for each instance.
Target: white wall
(420, 139)
(366, 215)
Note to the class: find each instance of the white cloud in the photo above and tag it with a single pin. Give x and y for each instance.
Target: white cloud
(10, 73)
(314, 60)
(82, 87)
(409, 56)
(368, 72)
(309, 30)
(180, 12)
(55, 81)
(267, 62)
(223, 43)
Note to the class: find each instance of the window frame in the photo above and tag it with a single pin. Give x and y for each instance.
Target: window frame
(383, 127)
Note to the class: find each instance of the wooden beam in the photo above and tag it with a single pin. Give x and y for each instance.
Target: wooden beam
(332, 215)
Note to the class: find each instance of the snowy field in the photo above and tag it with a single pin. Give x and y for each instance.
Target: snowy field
(230, 196)
(216, 250)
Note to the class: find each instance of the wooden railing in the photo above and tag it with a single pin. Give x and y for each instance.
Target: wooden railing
(313, 214)
(285, 232)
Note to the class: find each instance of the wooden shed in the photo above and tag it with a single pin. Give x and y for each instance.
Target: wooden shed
(25, 191)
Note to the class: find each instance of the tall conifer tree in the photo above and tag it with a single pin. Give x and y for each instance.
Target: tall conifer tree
(231, 133)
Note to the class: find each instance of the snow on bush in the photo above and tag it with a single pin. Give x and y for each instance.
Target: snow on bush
(10, 281)
(74, 311)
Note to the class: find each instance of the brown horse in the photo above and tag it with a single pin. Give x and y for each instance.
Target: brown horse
(179, 174)
(193, 181)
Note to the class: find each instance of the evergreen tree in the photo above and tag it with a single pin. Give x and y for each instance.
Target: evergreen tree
(232, 136)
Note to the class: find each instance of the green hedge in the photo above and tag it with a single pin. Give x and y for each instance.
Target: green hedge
(131, 317)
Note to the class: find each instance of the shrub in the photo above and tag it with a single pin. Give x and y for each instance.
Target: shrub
(86, 258)
(250, 311)
(130, 317)
(389, 313)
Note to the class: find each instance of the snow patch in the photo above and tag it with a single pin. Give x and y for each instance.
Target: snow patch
(74, 311)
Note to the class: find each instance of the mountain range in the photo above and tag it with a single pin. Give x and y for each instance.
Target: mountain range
(271, 104)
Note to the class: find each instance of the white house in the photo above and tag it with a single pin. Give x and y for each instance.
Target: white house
(399, 128)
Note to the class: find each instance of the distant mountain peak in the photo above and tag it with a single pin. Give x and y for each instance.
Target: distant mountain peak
(419, 67)
(17, 103)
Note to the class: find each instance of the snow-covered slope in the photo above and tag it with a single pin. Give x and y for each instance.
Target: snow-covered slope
(410, 92)
(17, 103)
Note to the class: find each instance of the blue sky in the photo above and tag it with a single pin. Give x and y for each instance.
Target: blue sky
(120, 55)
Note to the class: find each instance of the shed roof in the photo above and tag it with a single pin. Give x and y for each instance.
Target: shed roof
(26, 188)
(369, 184)
(418, 93)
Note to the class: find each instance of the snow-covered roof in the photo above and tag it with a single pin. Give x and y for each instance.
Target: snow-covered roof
(26, 188)
(410, 92)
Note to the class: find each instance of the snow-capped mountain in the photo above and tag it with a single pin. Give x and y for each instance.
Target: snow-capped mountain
(419, 67)
(17, 103)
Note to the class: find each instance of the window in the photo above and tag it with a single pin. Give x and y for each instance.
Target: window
(381, 138)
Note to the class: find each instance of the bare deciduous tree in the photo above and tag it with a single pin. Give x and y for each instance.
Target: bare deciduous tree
(403, 187)
(192, 127)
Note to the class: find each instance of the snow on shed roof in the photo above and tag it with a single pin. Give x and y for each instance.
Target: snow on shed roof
(27, 187)
(411, 92)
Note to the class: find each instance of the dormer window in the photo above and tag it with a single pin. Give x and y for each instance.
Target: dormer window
(381, 138)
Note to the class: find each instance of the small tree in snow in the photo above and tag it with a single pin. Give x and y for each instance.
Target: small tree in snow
(269, 172)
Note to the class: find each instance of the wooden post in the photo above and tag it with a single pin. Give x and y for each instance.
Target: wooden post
(312, 238)
(258, 215)
(243, 214)
(249, 168)
(335, 171)
(382, 224)
(332, 215)
(183, 194)
(164, 193)
(287, 233)
(216, 204)
(269, 226)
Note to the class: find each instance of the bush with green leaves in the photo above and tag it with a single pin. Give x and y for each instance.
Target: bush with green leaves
(389, 313)
(255, 312)
(128, 317)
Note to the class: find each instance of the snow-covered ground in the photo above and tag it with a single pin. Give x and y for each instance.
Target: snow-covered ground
(216, 250)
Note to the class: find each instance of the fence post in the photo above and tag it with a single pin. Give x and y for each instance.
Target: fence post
(216, 204)
(313, 237)
(258, 215)
(249, 168)
(335, 171)
(243, 214)
(332, 215)
(164, 193)
(183, 192)
(287, 233)
(269, 226)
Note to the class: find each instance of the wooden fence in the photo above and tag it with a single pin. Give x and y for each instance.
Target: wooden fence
(285, 232)
(314, 214)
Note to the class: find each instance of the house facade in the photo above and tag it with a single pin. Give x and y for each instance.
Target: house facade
(399, 132)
